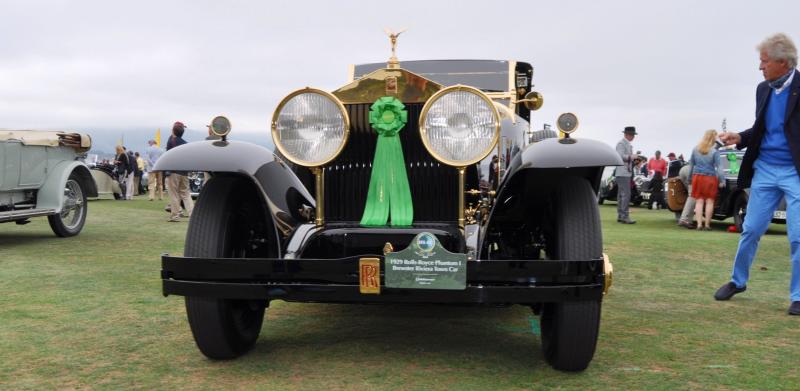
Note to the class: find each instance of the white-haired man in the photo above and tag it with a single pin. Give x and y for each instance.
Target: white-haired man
(771, 163)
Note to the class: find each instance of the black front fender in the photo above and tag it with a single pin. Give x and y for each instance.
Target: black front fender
(583, 157)
(284, 194)
(525, 192)
(215, 156)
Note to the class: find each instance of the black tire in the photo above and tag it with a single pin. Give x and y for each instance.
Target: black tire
(570, 329)
(740, 211)
(222, 219)
(70, 221)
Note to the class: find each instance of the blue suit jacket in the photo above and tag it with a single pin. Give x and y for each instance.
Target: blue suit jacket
(751, 138)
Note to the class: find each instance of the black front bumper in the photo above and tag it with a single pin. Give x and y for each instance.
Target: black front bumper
(337, 281)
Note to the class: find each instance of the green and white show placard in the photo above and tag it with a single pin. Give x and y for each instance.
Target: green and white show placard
(425, 264)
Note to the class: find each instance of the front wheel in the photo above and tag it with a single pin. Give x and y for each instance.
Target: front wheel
(228, 222)
(224, 329)
(69, 222)
(569, 334)
(570, 328)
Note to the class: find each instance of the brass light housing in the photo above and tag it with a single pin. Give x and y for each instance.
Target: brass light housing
(220, 126)
(567, 122)
(425, 131)
(276, 128)
(533, 101)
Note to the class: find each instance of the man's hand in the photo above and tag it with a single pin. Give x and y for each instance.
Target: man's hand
(730, 138)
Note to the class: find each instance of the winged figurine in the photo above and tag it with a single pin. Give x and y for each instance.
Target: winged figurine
(393, 38)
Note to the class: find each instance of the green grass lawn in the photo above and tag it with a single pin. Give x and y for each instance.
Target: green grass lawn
(87, 312)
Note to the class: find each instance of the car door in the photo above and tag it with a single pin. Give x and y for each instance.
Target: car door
(33, 166)
(9, 164)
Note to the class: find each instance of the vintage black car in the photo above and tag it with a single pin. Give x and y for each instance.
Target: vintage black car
(373, 196)
(731, 200)
(608, 191)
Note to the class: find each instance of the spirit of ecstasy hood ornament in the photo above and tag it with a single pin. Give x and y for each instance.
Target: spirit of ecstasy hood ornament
(393, 62)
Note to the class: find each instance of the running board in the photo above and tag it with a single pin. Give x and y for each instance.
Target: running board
(24, 214)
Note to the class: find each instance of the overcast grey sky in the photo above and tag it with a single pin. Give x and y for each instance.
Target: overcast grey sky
(671, 68)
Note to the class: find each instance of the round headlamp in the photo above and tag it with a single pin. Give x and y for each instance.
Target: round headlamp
(459, 125)
(310, 127)
(220, 126)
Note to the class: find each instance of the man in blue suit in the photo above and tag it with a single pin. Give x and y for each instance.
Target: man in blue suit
(771, 163)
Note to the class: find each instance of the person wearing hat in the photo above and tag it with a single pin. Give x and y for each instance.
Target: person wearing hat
(623, 175)
(673, 165)
(178, 184)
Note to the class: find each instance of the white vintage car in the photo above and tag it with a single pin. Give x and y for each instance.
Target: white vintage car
(41, 174)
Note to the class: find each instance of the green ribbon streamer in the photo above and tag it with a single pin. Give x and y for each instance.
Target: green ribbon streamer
(388, 184)
(733, 163)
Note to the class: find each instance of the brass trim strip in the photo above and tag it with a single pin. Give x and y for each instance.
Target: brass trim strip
(512, 83)
(319, 176)
(461, 196)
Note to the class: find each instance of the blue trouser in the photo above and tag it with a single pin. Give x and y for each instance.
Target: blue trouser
(770, 183)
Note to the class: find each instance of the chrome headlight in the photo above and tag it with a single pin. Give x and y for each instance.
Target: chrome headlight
(310, 127)
(459, 125)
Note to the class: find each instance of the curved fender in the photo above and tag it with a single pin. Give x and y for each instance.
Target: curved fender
(585, 156)
(554, 153)
(285, 195)
(539, 168)
(51, 194)
(215, 156)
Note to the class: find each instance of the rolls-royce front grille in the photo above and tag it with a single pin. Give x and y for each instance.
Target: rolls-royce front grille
(433, 185)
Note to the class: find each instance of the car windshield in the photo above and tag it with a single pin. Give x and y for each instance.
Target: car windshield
(486, 75)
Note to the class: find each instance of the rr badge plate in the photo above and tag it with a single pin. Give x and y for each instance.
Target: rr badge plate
(369, 276)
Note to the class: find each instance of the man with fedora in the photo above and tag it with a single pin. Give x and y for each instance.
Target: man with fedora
(623, 175)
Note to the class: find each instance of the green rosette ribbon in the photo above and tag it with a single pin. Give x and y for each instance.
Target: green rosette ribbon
(733, 163)
(388, 193)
